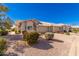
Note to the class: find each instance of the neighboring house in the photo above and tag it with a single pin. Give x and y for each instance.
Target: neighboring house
(41, 27)
(75, 28)
(67, 28)
(61, 28)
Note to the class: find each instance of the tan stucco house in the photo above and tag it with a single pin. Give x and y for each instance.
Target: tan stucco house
(41, 27)
(27, 25)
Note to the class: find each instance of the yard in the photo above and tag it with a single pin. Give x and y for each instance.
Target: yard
(60, 46)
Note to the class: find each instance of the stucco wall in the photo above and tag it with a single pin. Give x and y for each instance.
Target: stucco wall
(25, 25)
(43, 29)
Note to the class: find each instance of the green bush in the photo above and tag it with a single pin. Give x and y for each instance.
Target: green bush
(3, 32)
(31, 37)
(75, 31)
(49, 35)
(3, 46)
(67, 33)
(24, 34)
(17, 31)
(13, 29)
(0, 31)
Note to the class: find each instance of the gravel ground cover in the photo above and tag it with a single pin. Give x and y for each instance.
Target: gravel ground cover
(59, 46)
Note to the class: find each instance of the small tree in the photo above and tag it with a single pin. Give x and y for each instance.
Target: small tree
(5, 21)
(31, 37)
(49, 35)
(3, 46)
(67, 33)
(8, 23)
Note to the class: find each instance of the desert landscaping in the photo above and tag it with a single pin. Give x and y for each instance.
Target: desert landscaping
(34, 37)
(60, 45)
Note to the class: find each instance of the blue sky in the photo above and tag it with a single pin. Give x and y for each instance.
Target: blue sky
(47, 12)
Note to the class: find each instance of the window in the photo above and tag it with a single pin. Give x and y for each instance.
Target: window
(50, 29)
(29, 27)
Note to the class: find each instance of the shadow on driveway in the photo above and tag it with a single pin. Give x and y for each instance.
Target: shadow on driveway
(56, 40)
(43, 44)
(14, 37)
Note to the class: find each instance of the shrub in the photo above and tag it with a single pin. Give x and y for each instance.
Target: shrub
(0, 31)
(3, 46)
(20, 43)
(31, 37)
(49, 35)
(67, 33)
(24, 34)
(75, 31)
(13, 29)
(3, 32)
(19, 46)
(17, 31)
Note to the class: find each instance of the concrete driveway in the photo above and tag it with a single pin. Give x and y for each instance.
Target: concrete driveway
(74, 50)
